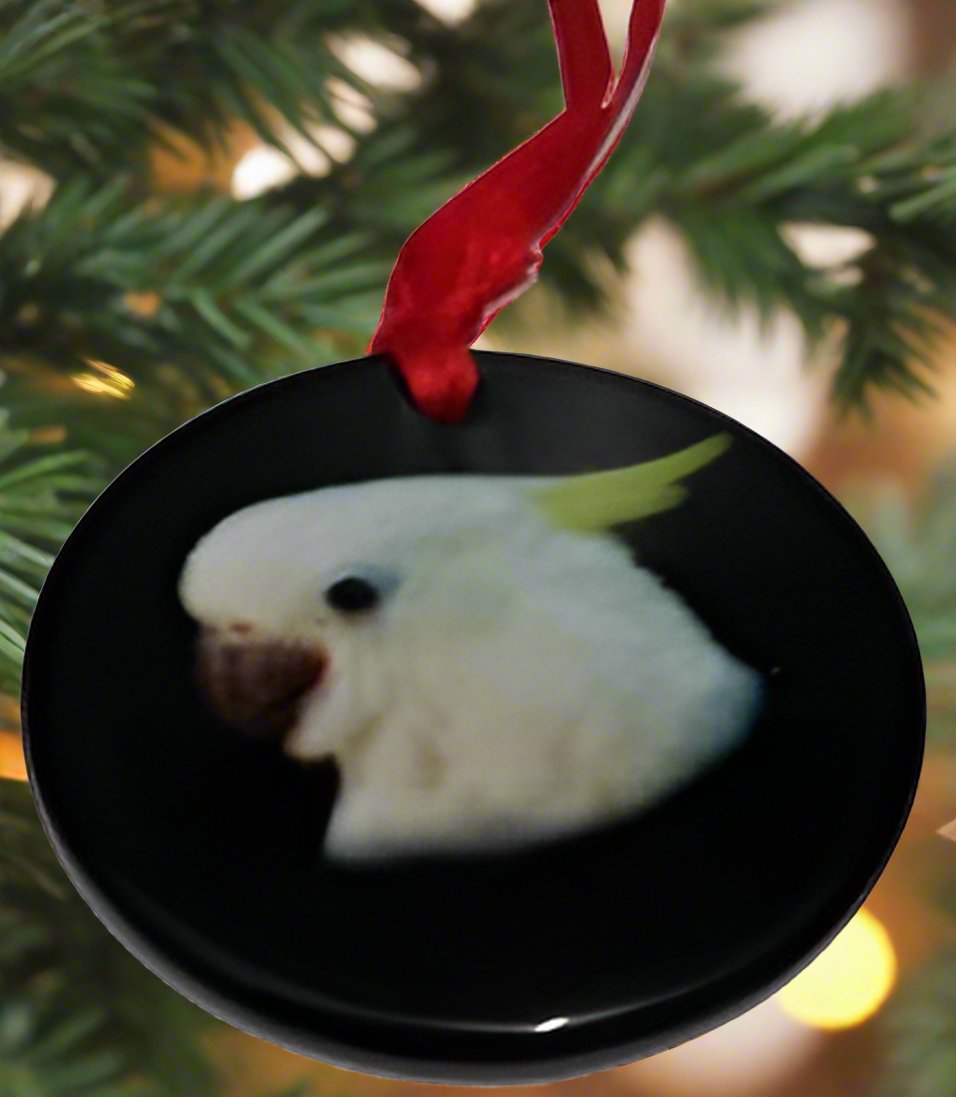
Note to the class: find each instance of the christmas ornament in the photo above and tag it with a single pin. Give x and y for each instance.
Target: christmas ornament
(474, 717)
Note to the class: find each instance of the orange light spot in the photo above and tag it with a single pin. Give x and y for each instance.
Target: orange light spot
(13, 766)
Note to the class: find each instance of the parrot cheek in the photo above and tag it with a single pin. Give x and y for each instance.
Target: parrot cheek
(326, 720)
(257, 685)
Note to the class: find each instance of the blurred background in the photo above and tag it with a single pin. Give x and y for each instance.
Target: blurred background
(195, 197)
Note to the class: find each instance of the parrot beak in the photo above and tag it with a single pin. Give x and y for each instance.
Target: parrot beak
(254, 684)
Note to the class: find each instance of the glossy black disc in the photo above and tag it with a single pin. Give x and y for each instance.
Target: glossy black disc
(200, 850)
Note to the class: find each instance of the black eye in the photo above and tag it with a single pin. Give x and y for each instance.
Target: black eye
(353, 595)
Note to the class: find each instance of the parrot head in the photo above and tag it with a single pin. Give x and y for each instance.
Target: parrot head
(449, 640)
(298, 598)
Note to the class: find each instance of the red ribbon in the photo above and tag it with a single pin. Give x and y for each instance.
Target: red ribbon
(483, 248)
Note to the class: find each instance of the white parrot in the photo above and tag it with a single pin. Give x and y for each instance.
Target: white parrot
(481, 656)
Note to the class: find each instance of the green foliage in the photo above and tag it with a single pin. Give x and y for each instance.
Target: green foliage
(236, 288)
(922, 1028)
(732, 179)
(38, 507)
(862, 167)
(88, 86)
(919, 546)
(79, 1017)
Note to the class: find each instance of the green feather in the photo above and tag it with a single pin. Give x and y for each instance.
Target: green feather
(599, 500)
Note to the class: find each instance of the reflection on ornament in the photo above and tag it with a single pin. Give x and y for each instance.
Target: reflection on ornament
(949, 831)
(848, 982)
(751, 1054)
(552, 1024)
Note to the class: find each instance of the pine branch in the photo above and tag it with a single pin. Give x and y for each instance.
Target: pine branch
(119, 320)
(729, 176)
(861, 167)
(922, 1032)
(919, 546)
(39, 503)
(78, 1016)
(735, 184)
(88, 87)
(732, 179)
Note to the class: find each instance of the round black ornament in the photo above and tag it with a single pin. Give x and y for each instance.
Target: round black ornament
(203, 848)
(504, 742)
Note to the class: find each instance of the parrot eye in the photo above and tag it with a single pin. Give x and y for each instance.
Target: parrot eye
(353, 594)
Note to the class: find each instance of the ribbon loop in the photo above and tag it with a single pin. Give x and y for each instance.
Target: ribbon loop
(483, 248)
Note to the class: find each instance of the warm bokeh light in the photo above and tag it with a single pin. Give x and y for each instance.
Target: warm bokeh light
(264, 167)
(452, 11)
(352, 107)
(22, 187)
(145, 304)
(848, 982)
(106, 381)
(750, 1056)
(259, 170)
(182, 165)
(13, 767)
(50, 435)
(754, 371)
(802, 57)
(376, 63)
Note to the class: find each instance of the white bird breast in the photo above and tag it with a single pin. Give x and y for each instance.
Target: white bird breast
(517, 682)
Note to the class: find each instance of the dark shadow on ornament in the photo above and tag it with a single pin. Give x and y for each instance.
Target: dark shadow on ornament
(200, 849)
